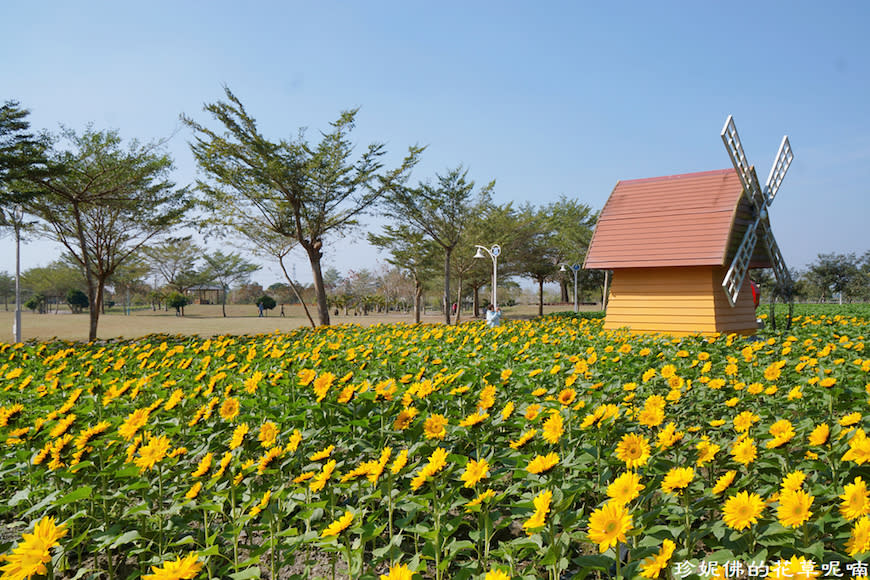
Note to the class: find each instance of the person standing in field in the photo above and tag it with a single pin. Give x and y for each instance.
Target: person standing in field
(493, 316)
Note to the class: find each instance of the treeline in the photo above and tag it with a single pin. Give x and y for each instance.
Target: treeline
(114, 209)
(841, 278)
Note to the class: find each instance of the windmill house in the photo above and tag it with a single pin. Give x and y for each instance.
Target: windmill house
(680, 247)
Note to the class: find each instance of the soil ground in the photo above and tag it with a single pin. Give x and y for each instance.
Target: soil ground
(206, 320)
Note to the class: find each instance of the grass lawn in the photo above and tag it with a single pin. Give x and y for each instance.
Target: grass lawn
(206, 320)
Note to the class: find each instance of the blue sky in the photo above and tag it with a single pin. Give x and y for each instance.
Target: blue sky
(548, 99)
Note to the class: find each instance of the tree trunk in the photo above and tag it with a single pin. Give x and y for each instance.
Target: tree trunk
(563, 284)
(540, 296)
(314, 257)
(295, 291)
(95, 295)
(446, 301)
(224, 301)
(458, 299)
(418, 294)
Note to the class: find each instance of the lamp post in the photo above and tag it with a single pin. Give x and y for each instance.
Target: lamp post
(17, 216)
(493, 252)
(574, 268)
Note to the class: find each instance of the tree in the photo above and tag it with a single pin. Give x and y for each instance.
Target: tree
(129, 278)
(175, 260)
(77, 301)
(54, 281)
(834, 274)
(279, 247)
(247, 293)
(537, 257)
(227, 270)
(109, 203)
(411, 252)
(440, 212)
(36, 303)
(22, 157)
(266, 302)
(7, 288)
(305, 193)
(178, 301)
(570, 225)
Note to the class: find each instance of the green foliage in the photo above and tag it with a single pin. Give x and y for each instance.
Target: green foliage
(108, 201)
(266, 301)
(291, 189)
(36, 303)
(77, 300)
(178, 301)
(271, 441)
(441, 212)
(22, 157)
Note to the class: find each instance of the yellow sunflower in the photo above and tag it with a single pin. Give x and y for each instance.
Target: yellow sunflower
(634, 450)
(609, 524)
(677, 479)
(855, 500)
(742, 510)
(859, 539)
(435, 427)
(32, 554)
(338, 525)
(625, 488)
(794, 508)
(474, 472)
(543, 463)
(653, 566)
(178, 569)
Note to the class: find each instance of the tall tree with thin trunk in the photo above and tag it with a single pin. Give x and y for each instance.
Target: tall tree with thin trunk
(108, 203)
(411, 252)
(23, 156)
(307, 193)
(441, 212)
(226, 270)
(176, 261)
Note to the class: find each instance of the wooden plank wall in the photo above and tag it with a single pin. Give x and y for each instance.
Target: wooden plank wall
(679, 301)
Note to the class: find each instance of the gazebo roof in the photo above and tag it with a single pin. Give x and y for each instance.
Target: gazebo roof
(693, 219)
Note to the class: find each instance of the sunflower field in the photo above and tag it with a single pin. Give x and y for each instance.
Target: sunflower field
(539, 449)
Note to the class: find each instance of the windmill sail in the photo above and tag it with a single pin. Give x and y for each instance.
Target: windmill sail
(760, 200)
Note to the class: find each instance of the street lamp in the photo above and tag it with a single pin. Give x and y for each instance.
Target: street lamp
(17, 216)
(575, 268)
(493, 253)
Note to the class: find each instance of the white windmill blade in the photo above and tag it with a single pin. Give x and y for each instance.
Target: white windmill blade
(780, 270)
(777, 172)
(741, 165)
(740, 264)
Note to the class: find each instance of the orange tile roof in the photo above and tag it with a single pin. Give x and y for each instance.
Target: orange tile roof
(678, 220)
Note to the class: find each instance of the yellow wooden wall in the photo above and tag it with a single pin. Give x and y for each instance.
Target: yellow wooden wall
(679, 301)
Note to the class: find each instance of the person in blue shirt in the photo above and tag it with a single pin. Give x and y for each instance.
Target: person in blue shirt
(493, 316)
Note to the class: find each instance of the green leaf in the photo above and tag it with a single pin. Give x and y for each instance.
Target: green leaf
(80, 493)
(18, 497)
(593, 562)
(125, 538)
(253, 572)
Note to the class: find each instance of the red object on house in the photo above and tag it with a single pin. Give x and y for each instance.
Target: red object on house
(756, 295)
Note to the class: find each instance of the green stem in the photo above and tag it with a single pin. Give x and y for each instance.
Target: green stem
(618, 563)
(160, 508)
(437, 510)
(688, 525)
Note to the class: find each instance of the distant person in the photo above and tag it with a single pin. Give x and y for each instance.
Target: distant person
(260, 309)
(756, 293)
(282, 310)
(493, 316)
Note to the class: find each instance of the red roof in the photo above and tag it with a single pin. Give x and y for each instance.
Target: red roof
(694, 219)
